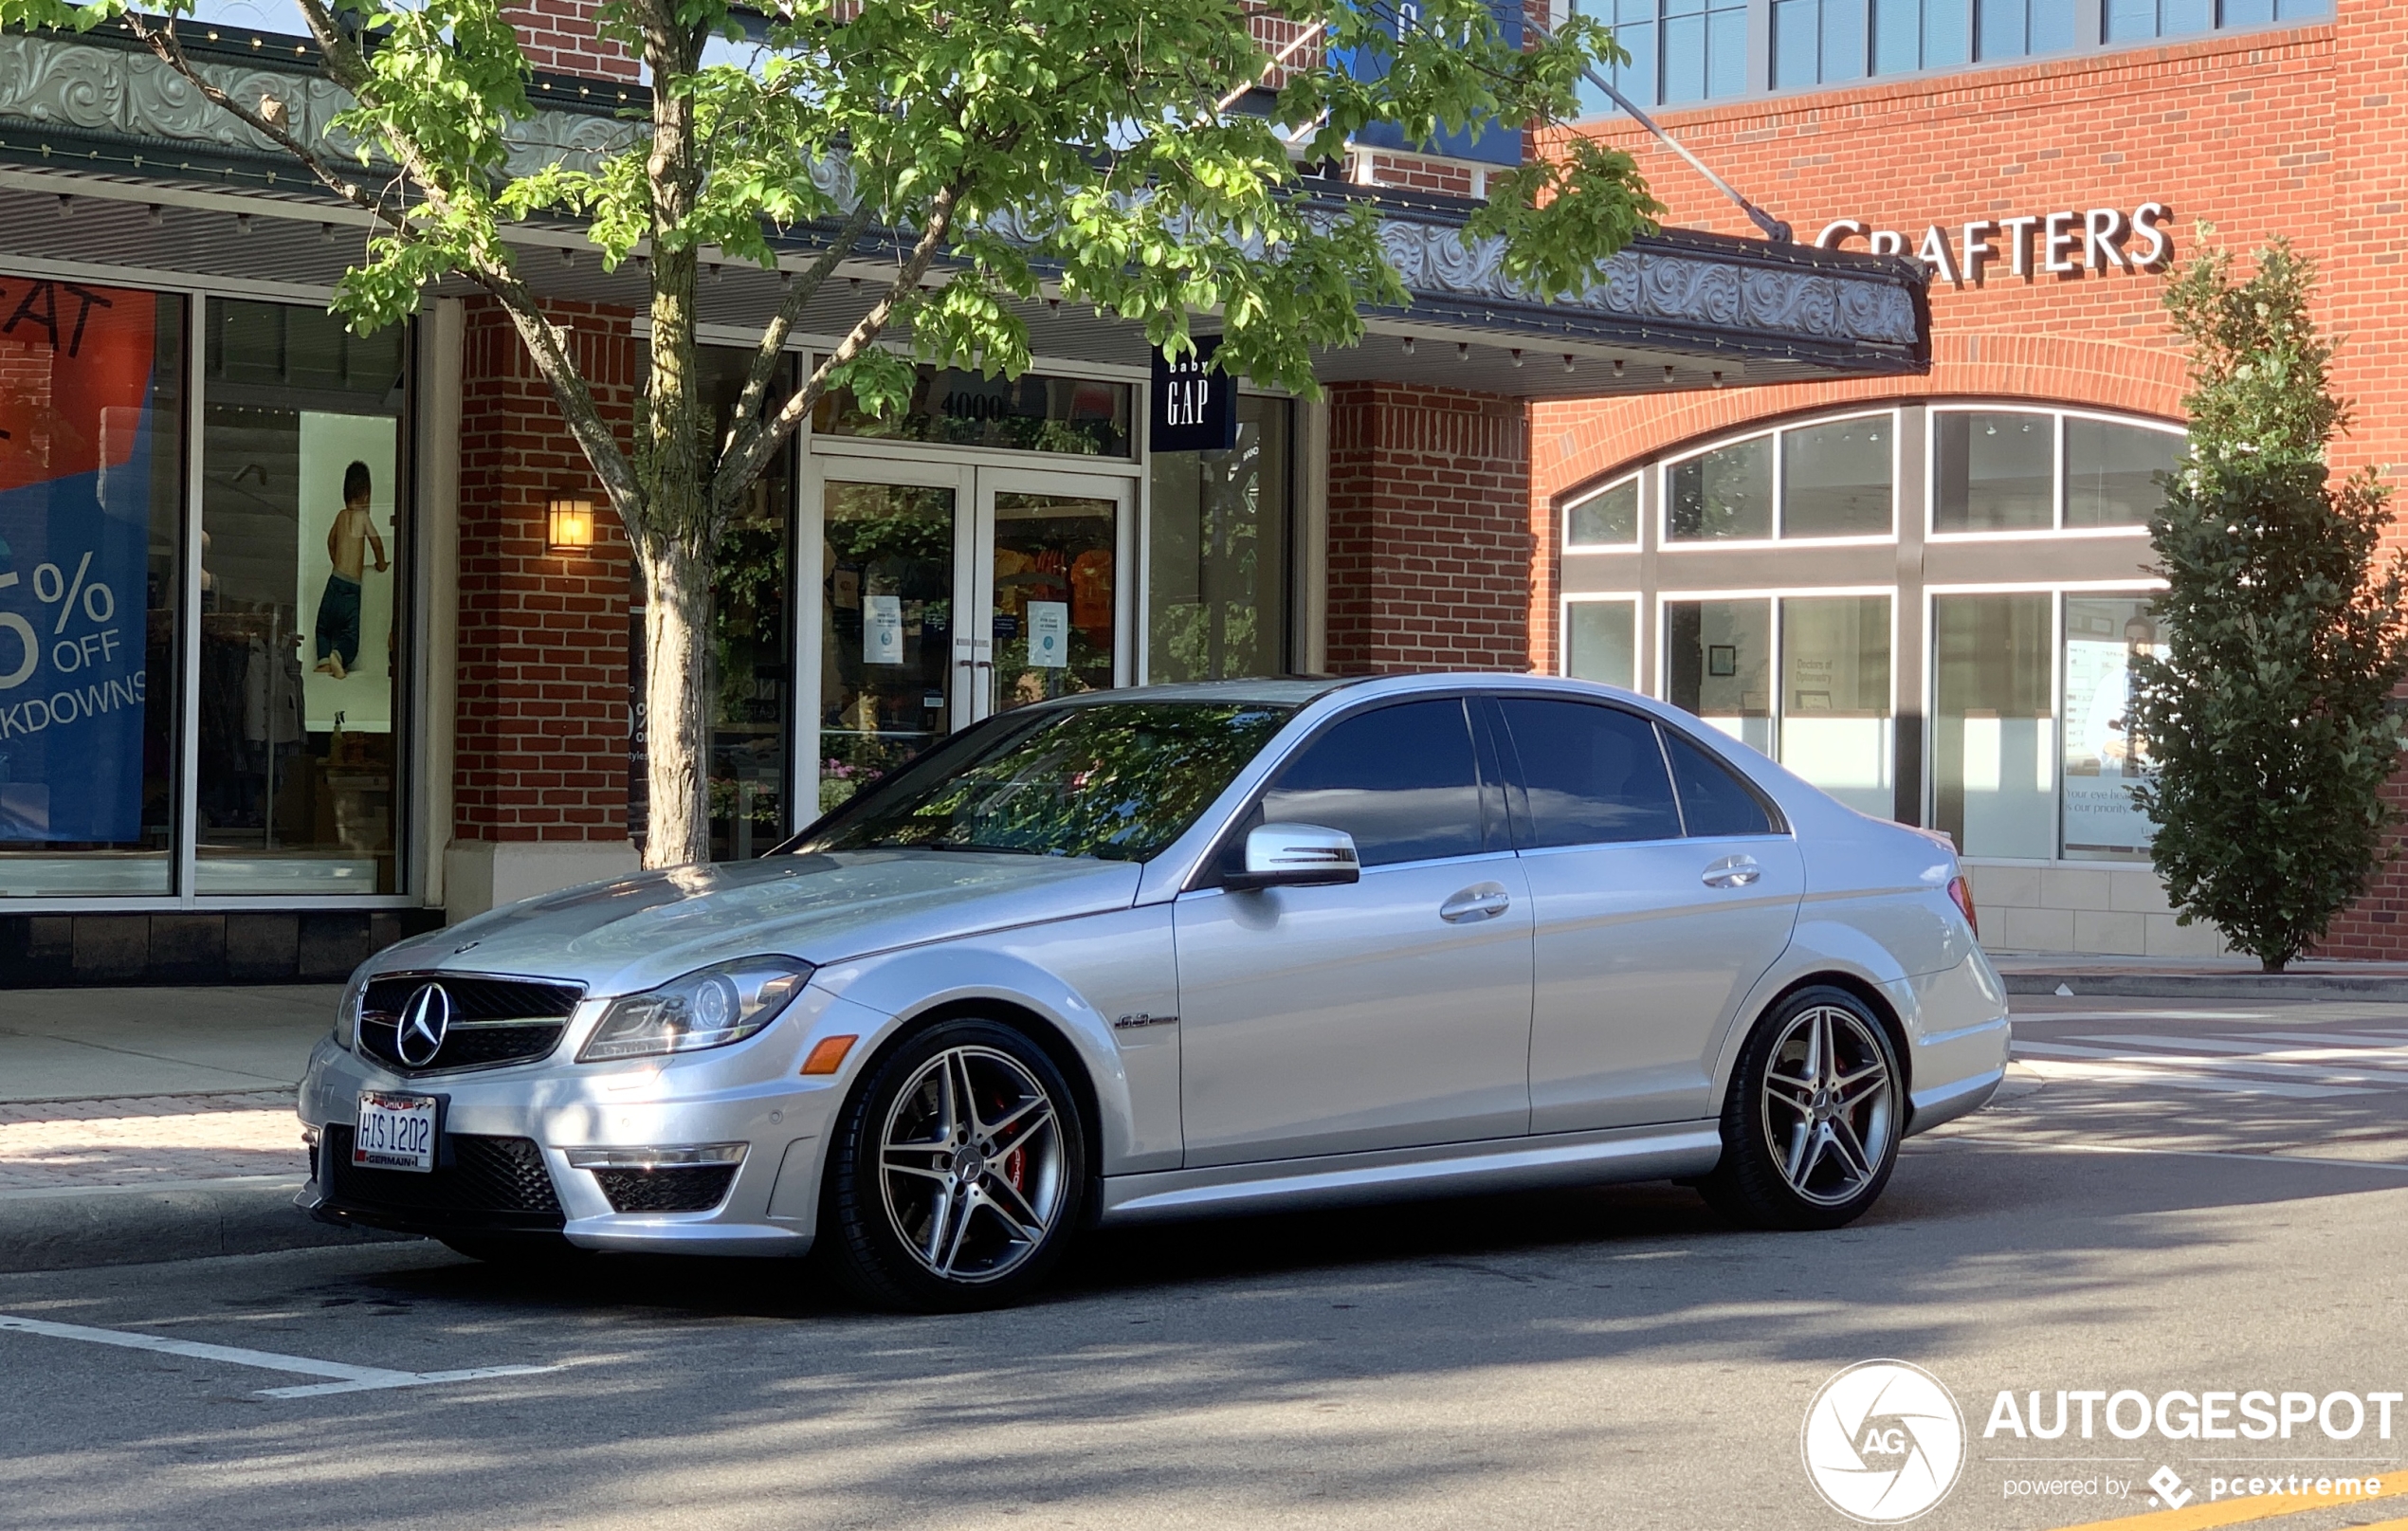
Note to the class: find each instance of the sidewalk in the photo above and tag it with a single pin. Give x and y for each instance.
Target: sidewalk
(140, 1124)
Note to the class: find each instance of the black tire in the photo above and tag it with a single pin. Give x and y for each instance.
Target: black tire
(1812, 1120)
(933, 1213)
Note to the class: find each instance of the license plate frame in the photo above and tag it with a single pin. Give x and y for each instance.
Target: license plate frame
(399, 1130)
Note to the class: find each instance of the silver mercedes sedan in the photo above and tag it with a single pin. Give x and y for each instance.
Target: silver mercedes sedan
(1176, 951)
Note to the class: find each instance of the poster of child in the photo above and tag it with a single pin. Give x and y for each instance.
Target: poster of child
(353, 534)
(346, 567)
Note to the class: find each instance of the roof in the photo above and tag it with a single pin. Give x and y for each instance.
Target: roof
(143, 173)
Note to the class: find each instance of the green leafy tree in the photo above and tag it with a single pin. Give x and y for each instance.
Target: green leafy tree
(1079, 150)
(2269, 723)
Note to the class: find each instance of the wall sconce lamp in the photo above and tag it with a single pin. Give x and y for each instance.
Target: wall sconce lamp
(568, 524)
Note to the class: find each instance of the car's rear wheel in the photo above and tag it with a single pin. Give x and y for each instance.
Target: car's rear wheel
(956, 1172)
(1812, 1122)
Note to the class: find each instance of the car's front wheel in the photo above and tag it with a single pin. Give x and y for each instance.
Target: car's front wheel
(955, 1174)
(1812, 1122)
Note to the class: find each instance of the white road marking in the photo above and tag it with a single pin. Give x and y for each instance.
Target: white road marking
(1934, 1141)
(2085, 1072)
(2352, 1039)
(2275, 1067)
(348, 1378)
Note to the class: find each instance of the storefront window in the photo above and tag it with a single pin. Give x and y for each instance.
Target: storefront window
(1995, 470)
(300, 586)
(1836, 477)
(2104, 757)
(91, 469)
(1994, 746)
(2111, 471)
(1835, 726)
(752, 644)
(1219, 551)
(1033, 412)
(1724, 495)
(1601, 641)
(1607, 518)
(1718, 663)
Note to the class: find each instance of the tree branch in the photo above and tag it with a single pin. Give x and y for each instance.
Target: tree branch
(487, 266)
(743, 426)
(169, 50)
(745, 466)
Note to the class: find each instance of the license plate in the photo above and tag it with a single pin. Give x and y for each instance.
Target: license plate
(396, 1132)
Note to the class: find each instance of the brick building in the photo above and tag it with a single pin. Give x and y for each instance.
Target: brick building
(1920, 590)
(387, 645)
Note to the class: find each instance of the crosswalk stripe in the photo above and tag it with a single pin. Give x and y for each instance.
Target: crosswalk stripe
(2275, 1068)
(2269, 1049)
(2085, 1071)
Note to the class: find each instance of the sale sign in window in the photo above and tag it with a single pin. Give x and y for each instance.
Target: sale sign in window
(81, 431)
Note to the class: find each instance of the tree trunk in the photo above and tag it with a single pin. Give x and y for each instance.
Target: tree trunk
(677, 674)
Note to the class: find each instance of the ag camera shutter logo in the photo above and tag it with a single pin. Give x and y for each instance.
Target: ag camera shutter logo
(1883, 1442)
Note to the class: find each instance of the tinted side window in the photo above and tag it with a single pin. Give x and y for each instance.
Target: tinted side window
(1590, 774)
(1713, 801)
(1400, 780)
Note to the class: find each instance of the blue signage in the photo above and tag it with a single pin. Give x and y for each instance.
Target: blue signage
(76, 433)
(1487, 143)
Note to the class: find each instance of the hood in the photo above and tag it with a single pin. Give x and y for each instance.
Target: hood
(633, 932)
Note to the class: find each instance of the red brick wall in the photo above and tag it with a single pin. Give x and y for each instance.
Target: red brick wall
(1429, 529)
(2291, 132)
(565, 36)
(543, 636)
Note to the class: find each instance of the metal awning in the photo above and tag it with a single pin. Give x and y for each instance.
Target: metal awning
(109, 163)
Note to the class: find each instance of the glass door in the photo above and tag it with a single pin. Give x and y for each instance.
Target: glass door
(947, 593)
(1051, 552)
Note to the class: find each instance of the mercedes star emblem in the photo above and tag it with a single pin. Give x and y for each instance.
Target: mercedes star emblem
(425, 1021)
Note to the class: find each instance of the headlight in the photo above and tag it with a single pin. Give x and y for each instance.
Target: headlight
(347, 1013)
(709, 1007)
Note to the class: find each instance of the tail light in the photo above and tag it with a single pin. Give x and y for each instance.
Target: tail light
(1962, 891)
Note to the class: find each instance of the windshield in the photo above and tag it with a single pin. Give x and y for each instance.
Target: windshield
(1119, 780)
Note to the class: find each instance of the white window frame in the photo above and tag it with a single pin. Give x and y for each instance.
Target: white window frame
(2058, 416)
(1638, 518)
(1778, 434)
(1662, 679)
(1635, 600)
(2056, 591)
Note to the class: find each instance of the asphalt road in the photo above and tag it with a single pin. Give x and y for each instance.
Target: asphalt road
(2190, 1197)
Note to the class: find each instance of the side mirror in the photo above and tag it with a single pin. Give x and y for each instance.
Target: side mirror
(1296, 855)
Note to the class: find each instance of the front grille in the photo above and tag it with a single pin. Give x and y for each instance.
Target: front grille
(677, 1188)
(482, 1182)
(493, 1021)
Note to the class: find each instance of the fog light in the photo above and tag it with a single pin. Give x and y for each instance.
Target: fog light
(681, 1156)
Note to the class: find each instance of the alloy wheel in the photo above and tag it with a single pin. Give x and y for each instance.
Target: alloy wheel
(1830, 1105)
(970, 1164)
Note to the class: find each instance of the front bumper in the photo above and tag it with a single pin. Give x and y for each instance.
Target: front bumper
(506, 1136)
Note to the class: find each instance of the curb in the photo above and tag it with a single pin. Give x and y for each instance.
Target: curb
(76, 1227)
(2256, 986)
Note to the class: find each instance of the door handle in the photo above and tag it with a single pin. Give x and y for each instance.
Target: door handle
(1733, 871)
(1482, 900)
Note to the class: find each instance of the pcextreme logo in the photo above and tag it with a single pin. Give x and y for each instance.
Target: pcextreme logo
(1883, 1442)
